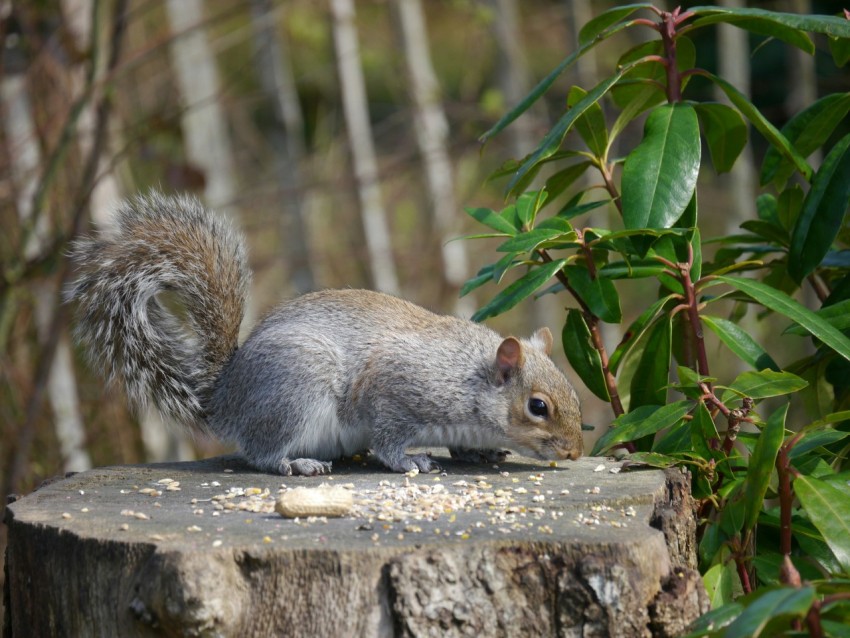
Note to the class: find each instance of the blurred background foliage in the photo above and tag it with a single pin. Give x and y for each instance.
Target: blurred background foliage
(248, 104)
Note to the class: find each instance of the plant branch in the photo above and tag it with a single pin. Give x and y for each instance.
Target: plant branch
(667, 30)
(595, 336)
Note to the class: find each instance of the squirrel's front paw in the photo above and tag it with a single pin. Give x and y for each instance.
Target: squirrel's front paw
(472, 455)
(304, 467)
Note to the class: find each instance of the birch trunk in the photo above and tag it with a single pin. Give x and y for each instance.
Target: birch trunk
(356, 110)
(61, 384)
(432, 132)
(205, 134)
(278, 84)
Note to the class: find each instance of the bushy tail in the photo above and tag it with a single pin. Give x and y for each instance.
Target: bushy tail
(162, 244)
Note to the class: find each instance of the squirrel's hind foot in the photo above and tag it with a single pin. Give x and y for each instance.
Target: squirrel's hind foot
(303, 467)
(410, 462)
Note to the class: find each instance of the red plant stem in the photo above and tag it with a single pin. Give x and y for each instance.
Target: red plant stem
(819, 287)
(813, 620)
(595, 337)
(693, 314)
(605, 171)
(668, 38)
(743, 574)
(785, 500)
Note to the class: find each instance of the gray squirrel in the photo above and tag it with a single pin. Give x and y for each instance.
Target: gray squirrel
(326, 375)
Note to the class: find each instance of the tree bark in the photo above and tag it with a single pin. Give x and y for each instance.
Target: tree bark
(356, 109)
(115, 552)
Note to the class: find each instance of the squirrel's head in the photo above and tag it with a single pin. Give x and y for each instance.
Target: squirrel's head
(544, 416)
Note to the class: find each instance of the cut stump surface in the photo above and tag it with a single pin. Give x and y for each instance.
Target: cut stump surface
(196, 549)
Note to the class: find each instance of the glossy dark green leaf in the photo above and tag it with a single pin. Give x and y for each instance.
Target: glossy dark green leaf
(837, 315)
(761, 464)
(762, 24)
(769, 605)
(636, 331)
(760, 384)
(485, 275)
(519, 290)
(590, 126)
(597, 26)
(642, 422)
(527, 206)
(492, 219)
(703, 431)
(815, 440)
(766, 230)
(828, 25)
(740, 342)
(635, 269)
(581, 354)
(808, 130)
(599, 294)
(768, 130)
(725, 132)
(649, 383)
(779, 302)
(530, 240)
(823, 212)
(659, 175)
(829, 510)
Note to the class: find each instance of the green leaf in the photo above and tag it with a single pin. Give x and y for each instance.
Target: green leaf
(641, 422)
(703, 430)
(768, 605)
(492, 219)
(527, 206)
(762, 23)
(829, 25)
(808, 130)
(719, 582)
(788, 207)
(570, 210)
(815, 440)
(581, 354)
(762, 384)
(591, 125)
(710, 623)
(636, 331)
(739, 342)
(768, 130)
(636, 269)
(596, 27)
(599, 294)
(779, 302)
(840, 50)
(761, 465)
(530, 240)
(519, 290)
(823, 212)
(829, 510)
(649, 383)
(561, 180)
(553, 139)
(659, 175)
(725, 132)
(651, 459)
(837, 315)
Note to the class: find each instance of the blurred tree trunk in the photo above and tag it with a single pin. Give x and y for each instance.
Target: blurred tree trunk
(432, 133)
(61, 388)
(207, 140)
(287, 141)
(802, 79)
(356, 108)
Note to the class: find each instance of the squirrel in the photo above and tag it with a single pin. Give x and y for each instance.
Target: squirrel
(326, 375)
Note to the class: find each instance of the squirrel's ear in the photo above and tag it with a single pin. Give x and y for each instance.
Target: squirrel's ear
(543, 340)
(508, 358)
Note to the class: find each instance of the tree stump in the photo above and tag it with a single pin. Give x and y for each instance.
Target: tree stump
(195, 549)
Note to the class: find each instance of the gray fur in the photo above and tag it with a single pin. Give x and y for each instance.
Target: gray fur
(325, 375)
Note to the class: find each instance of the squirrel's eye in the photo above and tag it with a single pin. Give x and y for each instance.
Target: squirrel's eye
(538, 407)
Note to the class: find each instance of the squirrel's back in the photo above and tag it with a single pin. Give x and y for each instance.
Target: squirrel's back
(162, 244)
